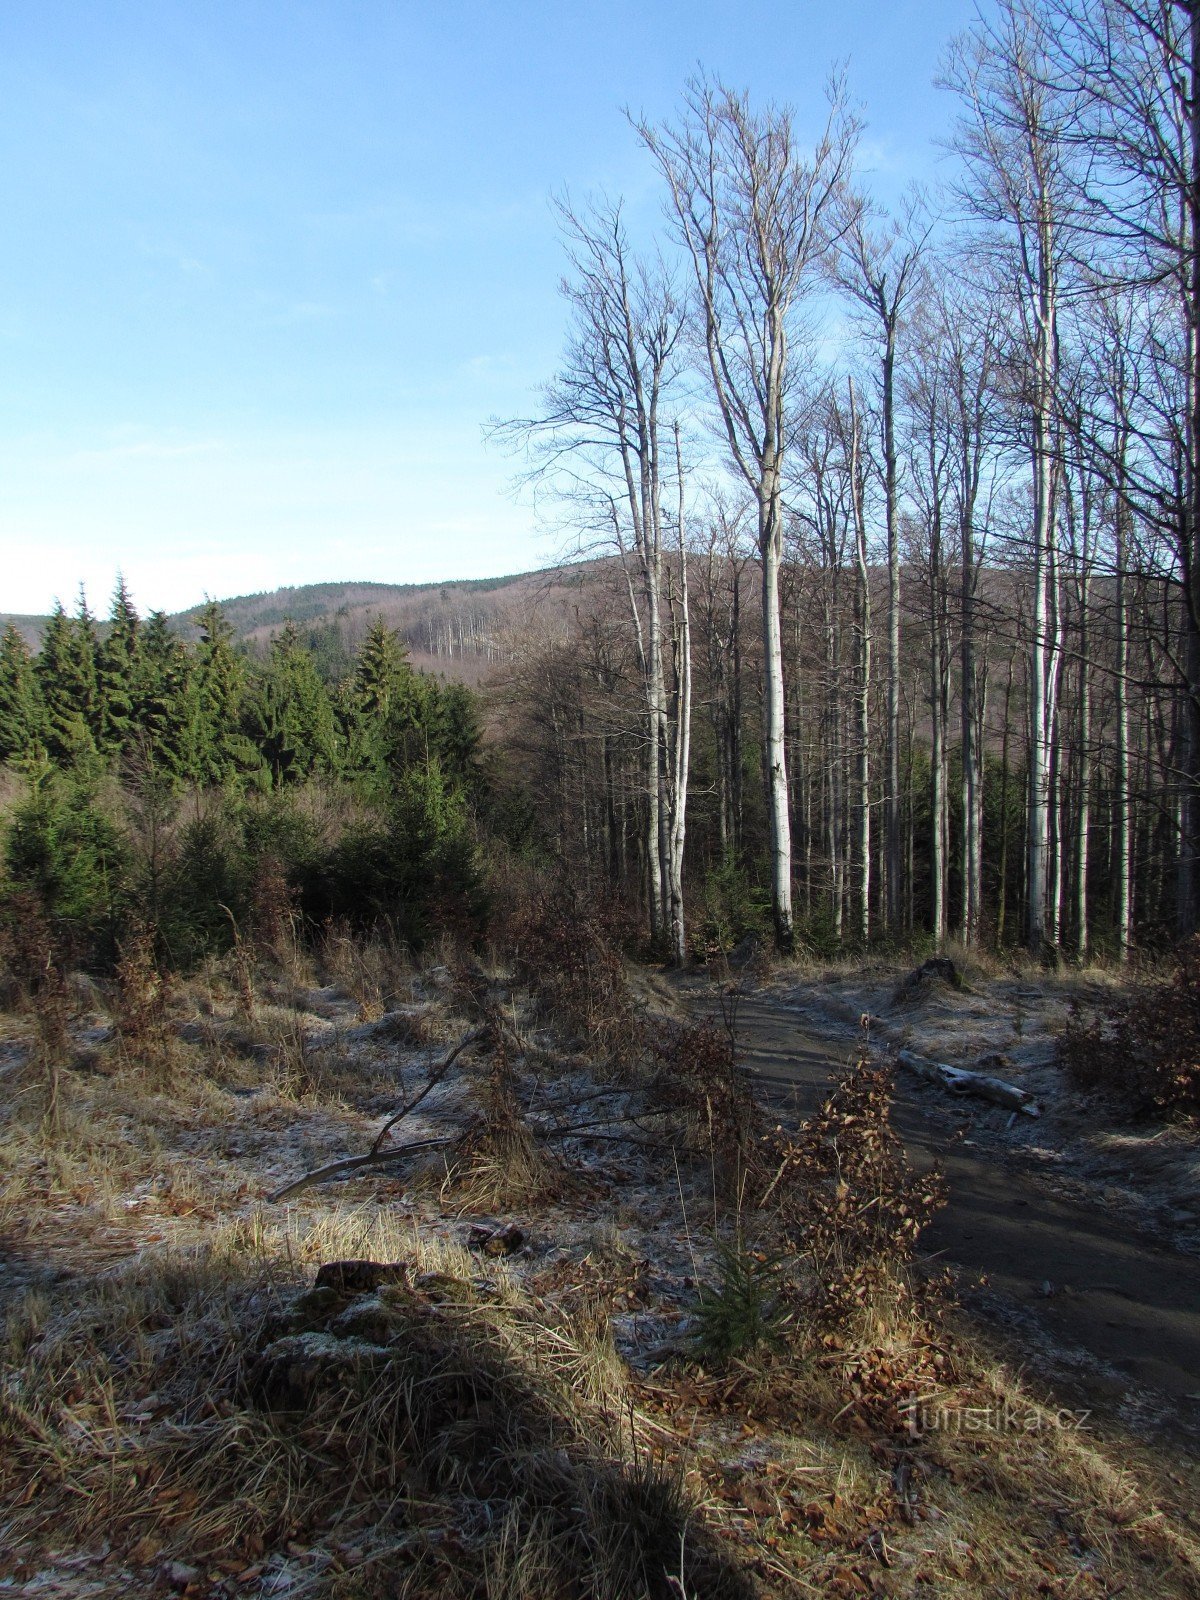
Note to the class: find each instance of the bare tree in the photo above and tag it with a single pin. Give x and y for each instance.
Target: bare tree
(1018, 184)
(863, 657)
(1131, 70)
(878, 264)
(601, 440)
(723, 551)
(756, 217)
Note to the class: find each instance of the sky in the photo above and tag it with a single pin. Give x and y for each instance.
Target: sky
(268, 267)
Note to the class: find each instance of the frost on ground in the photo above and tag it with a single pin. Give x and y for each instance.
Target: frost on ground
(1009, 1025)
(526, 1392)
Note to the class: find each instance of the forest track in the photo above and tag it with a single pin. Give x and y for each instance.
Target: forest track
(1108, 1315)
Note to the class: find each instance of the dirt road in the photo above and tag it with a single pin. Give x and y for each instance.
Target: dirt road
(1072, 1282)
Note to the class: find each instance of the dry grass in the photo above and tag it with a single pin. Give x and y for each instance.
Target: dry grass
(474, 1429)
(498, 1163)
(376, 972)
(467, 1438)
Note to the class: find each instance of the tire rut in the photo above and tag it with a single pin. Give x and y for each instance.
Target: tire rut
(1065, 1273)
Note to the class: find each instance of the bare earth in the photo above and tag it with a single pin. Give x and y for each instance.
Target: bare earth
(1088, 1233)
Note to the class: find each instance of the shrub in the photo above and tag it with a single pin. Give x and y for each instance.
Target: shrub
(28, 951)
(142, 1009)
(1143, 1052)
(567, 947)
(846, 1198)
(699, 1077)
(845, 1194)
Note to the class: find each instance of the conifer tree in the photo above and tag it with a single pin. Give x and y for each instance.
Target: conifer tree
(289, 715)
(162, 696)
(66, 677)
(21, 711)
(385, 704)
(85, 652)
(215, 747)
(118, 671)
(455, 732)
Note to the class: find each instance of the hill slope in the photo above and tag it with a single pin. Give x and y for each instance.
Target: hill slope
(455, 628)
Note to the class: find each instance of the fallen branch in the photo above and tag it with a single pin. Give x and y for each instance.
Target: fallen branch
(959, 1081)
(435, 1077)
(373, 1158)
(376, 1155)
(604, 1138)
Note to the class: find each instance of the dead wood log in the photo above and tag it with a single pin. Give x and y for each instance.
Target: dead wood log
(959, 1081)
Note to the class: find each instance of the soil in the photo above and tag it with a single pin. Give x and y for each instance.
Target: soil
(1092, 1281)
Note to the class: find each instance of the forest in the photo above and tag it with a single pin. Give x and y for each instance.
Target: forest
(673, 1077)
(895, 525)
(904, 504)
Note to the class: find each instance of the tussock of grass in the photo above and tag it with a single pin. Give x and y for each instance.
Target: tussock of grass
(192, 1408)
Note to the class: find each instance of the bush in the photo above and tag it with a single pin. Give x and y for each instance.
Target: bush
(1144, 1052)
(414, 868)
(567, 947)
(699, 1077)
(845, 1194)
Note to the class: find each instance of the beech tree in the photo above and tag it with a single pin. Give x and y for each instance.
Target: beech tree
(604, 440)
(1018, 184)
(879, 265)
(756, 217)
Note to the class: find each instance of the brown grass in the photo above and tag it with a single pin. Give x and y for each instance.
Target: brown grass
(1144, 1050)
(472, 1430)
(195, 1409)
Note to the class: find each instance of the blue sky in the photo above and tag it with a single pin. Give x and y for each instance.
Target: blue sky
(266, 268)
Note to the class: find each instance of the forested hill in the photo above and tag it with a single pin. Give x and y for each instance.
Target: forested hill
(456, 628)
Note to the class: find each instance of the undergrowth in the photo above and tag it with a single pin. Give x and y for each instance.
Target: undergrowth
(1144, 1052)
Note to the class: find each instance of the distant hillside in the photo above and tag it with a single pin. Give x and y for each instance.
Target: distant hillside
(457, 629)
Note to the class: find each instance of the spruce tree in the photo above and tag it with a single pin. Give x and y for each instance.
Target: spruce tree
(85, 647)
(21, 710)
(289, 715)
(215, 747)
(66, 678)
(162, 696)
(118, 671)
(455, 732)
(386, 706)
(383, 677)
